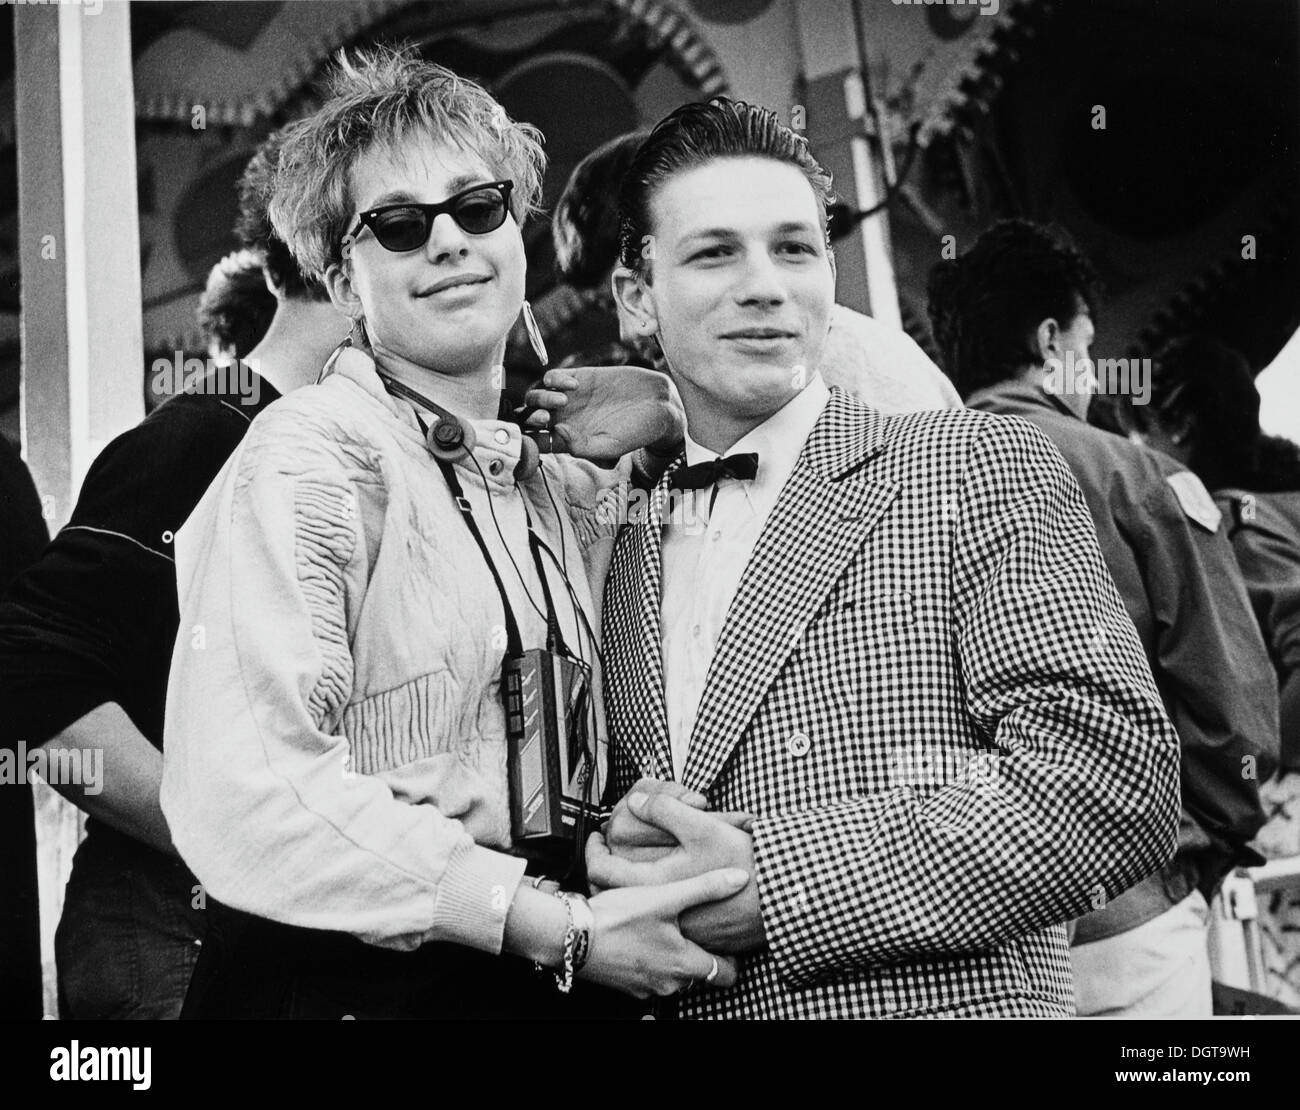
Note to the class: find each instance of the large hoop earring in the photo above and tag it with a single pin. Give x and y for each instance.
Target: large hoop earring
(357, 334)
(535, 335)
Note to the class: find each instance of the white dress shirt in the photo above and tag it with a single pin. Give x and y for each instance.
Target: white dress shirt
(703, 561)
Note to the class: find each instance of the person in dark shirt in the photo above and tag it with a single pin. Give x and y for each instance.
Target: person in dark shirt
(22, 526)
(86, 638)
(22, 535)
(1204, 412)
(1014, 318)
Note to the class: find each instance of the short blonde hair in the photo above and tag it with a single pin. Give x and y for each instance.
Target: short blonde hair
(378, 99)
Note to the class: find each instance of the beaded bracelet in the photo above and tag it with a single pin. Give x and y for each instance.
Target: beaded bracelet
(577, 938)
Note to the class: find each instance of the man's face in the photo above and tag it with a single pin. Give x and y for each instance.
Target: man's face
(739, 285)
(449, 304)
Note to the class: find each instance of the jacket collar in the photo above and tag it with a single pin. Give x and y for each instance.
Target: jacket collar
(359, 368)
(498, 443)
(1015, 397)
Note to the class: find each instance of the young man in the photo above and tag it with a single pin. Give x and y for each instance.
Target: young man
(893, 664)
(1015, 318)
(880, 365)
(86, 637)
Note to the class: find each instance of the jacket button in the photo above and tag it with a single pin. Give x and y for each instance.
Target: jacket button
(798, 745)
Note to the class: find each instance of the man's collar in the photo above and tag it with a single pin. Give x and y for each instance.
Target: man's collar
(843, 437)
(780, 438)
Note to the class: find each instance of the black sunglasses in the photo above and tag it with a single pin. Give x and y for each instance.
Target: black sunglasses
(406, 227)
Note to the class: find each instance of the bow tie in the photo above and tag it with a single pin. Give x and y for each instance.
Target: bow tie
(741, 467)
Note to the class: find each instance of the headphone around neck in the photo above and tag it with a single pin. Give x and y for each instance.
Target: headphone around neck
(449, 437)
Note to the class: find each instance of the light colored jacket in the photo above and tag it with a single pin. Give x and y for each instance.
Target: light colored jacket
(335, 738)
(883, 367)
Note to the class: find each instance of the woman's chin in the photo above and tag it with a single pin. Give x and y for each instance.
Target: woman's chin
(455, 360)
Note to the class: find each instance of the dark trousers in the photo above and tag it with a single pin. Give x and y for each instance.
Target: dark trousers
(250, 967)
(129, 936)
(20, 929)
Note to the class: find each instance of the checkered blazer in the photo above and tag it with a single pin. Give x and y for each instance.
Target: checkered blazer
(929, 693)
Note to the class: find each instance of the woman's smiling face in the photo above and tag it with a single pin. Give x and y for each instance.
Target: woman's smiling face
(449, 304)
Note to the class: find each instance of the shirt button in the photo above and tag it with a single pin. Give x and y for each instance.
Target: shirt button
(798, 745)
(716, 536)
(501, 436)
(696, 631)
(494, 467)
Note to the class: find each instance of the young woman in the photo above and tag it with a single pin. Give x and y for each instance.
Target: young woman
(336, 738)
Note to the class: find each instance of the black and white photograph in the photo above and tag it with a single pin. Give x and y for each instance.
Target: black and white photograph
(609, 511)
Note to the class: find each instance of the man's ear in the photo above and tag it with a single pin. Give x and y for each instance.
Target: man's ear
(637, 316)
(1047, 339)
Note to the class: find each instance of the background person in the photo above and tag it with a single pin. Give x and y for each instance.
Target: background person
(1009, 315)
(1204, 413)
(22, 536)
(86, 635)
(584, 229)
(237, 306)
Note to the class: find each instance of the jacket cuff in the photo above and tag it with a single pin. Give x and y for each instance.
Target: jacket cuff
(806, 880)
(474, 897)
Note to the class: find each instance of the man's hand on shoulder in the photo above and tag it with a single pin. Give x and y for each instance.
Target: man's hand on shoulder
(606, 412)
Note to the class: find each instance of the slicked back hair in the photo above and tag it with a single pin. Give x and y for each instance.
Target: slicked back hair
(695, 135)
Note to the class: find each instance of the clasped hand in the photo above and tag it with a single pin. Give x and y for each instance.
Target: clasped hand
(661, 833)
